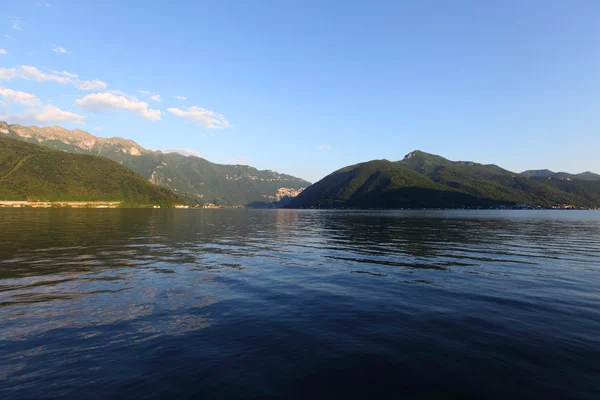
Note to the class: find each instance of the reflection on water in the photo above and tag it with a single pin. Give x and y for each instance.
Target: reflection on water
(284, 303)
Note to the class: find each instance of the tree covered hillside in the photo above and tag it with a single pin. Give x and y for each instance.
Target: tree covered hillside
(423, 180)
(33, 172)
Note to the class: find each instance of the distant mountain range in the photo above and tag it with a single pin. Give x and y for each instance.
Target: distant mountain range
(423, 180)
(420, 180)
(36, 173)
(194, 178)
(546, 173)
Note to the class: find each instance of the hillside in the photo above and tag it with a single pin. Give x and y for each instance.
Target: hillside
(33, 172)
(193, 177)
(423, 180)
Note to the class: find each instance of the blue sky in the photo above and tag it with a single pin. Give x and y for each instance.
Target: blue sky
(307, 87)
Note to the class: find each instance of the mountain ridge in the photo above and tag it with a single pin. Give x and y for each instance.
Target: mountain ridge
(423, 180)
(193, 177)
(546, 173)
(586, 175)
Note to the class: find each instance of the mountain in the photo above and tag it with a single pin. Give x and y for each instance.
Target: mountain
(193, 177)
(423, 180)
(33, 172)
(546, 173)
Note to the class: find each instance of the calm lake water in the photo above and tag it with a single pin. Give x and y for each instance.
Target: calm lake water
(299, 304)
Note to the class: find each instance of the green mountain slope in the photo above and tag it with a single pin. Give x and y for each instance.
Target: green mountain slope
(33, 172)
(193, 177)
(423, 180)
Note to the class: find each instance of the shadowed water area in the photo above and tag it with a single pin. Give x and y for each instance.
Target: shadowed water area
(299, 304)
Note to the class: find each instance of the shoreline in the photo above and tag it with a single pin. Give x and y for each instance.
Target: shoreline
(59, 204)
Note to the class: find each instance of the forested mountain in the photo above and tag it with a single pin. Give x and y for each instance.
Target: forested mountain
(423, 180)
(193, 177)
(37, 173)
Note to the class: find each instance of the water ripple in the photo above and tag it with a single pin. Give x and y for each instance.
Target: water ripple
(296, 304)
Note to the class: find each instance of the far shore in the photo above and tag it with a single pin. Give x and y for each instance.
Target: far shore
(72, 204)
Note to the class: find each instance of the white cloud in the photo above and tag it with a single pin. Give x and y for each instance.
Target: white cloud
(97, 102)
(121, 93)
(54, 115)
(181, 97)
(183, 151)
(97, 128)
(31, 73)
(59, 49)
(154, 97)
(16, 23)
(7, 74)
(209, 119)
(2, 51)
(12, 96)
(92, 85)
(324, 148)
(48, 115)
(8, 36)
(40, 3)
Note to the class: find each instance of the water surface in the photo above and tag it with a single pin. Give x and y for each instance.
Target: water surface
(299, 304)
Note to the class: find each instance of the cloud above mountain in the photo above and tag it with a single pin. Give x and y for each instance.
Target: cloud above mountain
(32, 73)
(183, 151)
(50, 114)
(13, 96)
(98, 102)
(209, 119)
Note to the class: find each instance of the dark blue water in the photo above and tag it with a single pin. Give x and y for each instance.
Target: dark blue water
(299, 304)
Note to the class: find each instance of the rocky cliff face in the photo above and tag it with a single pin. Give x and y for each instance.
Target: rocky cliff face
(77, 138)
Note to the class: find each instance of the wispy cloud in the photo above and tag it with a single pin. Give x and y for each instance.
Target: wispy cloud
(154, 97)
(324, 148)
(59, 49)
(47, 115)
(12, 96)
(40, 3)
(8, 36)
(181, 97)
(92, 85)
(97, 102)
(183, 151)
(4, 52)
(97, 128)
(17, 23)
(209, 119)
(31, 73)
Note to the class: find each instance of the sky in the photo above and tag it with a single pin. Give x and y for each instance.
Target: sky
(308, 87)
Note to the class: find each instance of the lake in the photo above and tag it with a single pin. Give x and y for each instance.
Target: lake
(299, 304)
